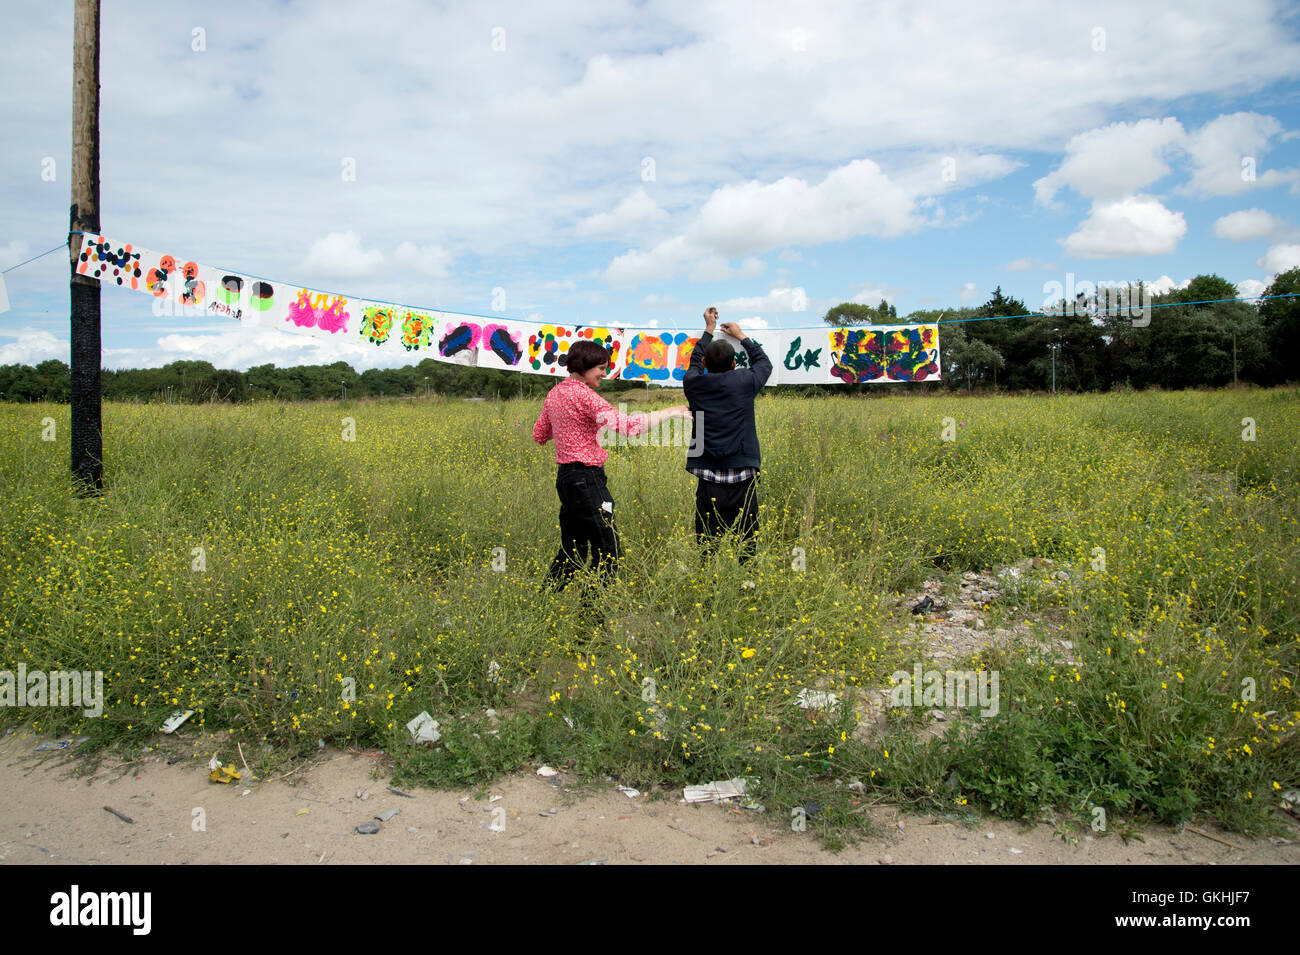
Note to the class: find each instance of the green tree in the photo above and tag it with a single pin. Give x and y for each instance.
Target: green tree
(1280, 327)
(855, 313)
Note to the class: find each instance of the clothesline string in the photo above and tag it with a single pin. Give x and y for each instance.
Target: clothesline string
(676, 328)
(34, 258)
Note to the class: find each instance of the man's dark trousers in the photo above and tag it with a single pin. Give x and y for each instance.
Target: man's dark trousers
(720, 507)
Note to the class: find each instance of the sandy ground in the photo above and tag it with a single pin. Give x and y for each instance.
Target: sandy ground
(50, 816)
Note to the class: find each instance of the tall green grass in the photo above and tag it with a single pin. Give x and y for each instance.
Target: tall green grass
(371, 561)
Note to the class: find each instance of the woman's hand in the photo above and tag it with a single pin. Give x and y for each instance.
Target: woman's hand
(676, 411)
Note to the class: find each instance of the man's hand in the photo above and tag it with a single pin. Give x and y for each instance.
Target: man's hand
(734, 330)
(710, 319)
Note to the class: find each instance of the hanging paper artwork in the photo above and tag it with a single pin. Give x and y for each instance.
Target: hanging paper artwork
(610, 339)
(548, 348)
(742, 356)
(458, 342)
(107, 261)
(228, 297)
(319, 310)
(684, 346)
(647, 356)
(417, 329)
(892, 353)
(803, 357)
(246, 300)
(502, 345)
(853, 354)
(661, 357)
(377, 323)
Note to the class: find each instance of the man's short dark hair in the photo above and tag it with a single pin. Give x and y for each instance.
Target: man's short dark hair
(584, 356)
(719, 356)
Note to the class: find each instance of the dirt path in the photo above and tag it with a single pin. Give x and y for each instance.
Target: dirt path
(50, 816)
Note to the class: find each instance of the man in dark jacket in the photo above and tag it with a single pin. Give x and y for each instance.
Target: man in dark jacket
(727, 461)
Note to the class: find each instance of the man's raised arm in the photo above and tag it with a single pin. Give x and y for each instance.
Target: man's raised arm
(696, 366)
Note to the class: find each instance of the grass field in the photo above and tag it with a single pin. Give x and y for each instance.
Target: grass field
(328, 564)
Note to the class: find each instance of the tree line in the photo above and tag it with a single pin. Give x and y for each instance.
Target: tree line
(1197, 336)
(1180, 342)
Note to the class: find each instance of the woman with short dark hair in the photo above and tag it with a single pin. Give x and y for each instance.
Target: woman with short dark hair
(573, 415)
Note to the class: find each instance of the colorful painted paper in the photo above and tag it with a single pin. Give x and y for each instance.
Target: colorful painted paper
(853, 354)
(659, 357)
(742, 356)
(457, 340)
(802, 357)
(503, 344)
(889, 353)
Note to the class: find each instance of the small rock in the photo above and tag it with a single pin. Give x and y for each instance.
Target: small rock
(886, 860)
(988, 835)
(367, 828)
(546, 771)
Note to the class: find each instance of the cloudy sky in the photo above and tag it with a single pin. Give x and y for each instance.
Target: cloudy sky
(633, 163)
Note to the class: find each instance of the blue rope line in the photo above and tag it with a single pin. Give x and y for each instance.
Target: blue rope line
(34, 258)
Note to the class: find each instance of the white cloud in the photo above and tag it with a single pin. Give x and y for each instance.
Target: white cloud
(1250, 288)
(790, 255)
(967, 292)
(869, 296)
(1250, 224)
(1114, 161)
(675, 256)
(754, 321)
(636, 211)
(430, 260)
(34, 345)
(1165, 284)
(1138, 225)
(852, 200)
(856, 199)
(1279, 258)
(777, 300)
(339, 255)
(715, 268)
(566, 285)
(1226, 153)
(658, 300)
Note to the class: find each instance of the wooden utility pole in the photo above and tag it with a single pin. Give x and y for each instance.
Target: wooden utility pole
(87, 436)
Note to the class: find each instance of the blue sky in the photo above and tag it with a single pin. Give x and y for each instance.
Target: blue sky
(634, 163)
